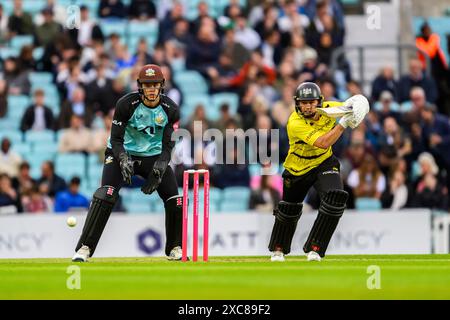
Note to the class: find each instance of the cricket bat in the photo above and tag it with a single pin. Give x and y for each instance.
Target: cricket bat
(335, 112)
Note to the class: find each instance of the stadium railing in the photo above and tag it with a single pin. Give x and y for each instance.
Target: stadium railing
(338, 53)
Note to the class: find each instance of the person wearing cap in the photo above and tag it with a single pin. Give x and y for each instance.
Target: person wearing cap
(49, 30)
(140, 144)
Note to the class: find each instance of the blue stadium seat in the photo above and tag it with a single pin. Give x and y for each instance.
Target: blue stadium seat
(34, 6)
(45, 147)
(53, 103)
(68, 165)
(234, 206)
(93, 160)
(38, 53)
(95, 174)
(406, 106)
(178, 65)
(8, 7)
(191, 82)
(21, 148)
(254, 169)
(48, 147)
(235, 193)
(215, 200)
(15, 115)
(8, 52)
(136, 207)
(415, 170)
(235, 199)
(143, 29)
(21, 102)
(86, 190)
(16, 108)
(135, 201)
(8, 125)
(49, 89)
(117, 26)
(40, 78)
(19, 41)
(40, 137)
(367, 204)
(394, 106)
(58, 135)
(156, 204)
(15, 136)
(36, 160)
(220, 98)
(191, 102)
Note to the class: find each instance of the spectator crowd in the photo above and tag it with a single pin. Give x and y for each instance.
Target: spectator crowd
(260, 51)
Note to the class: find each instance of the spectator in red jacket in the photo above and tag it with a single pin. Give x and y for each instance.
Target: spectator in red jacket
(251, 70)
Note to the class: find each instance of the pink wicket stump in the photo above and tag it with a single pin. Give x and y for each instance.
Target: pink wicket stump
(195, 224)
(185, 215)
(206, 216)
(196, 174)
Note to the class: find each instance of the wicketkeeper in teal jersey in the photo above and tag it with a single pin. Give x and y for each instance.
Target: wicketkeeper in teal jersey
(140, 144)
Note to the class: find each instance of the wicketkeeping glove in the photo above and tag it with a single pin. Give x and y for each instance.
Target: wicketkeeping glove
(126, 167)
(155, 177)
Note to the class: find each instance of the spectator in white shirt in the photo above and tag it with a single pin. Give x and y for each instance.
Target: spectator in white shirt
(292, 20)
(77, 138)
(9, 160)
(88, 30)
(396, 194)
(245, 35)
(367, 181)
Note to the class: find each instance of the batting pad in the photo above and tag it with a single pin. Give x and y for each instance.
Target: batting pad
(331, 208)
(100, 209)
(286, 219)
(174, 222)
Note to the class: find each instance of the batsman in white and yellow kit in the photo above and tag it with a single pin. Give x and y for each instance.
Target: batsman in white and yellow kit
(311, 163)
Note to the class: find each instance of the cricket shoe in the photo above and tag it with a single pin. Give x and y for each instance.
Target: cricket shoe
(176, 254)
(82, 254)
(277, 256)
(313, 256)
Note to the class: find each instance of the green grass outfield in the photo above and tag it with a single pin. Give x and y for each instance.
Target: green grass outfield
(336, 277)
